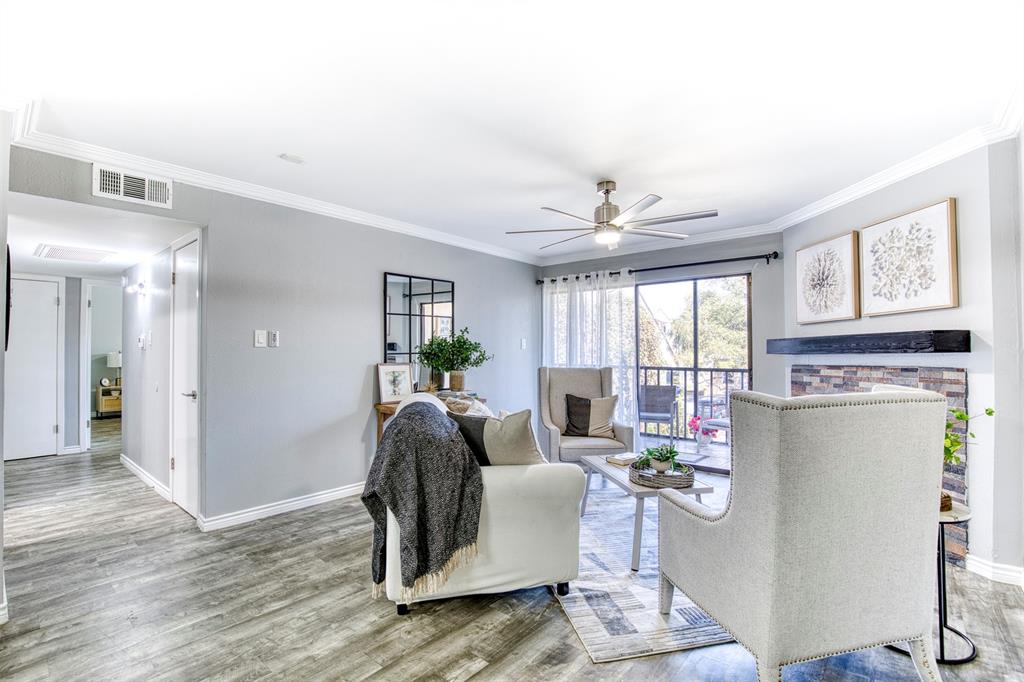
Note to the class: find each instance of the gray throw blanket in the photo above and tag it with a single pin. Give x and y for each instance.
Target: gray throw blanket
(428, 477)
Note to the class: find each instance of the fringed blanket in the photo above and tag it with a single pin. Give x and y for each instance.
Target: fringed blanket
(428, 477)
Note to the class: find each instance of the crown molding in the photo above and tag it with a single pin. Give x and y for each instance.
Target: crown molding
(27, 135)
(1007, 123)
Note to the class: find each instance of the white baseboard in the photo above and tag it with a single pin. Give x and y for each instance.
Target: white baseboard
(71, 450)
(156, 485)
(274, 508)
(1001, 573)
(3, 606)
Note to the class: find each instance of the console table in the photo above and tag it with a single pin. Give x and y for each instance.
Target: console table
(385, 410)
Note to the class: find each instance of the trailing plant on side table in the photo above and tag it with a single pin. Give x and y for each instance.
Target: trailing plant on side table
(955, 442)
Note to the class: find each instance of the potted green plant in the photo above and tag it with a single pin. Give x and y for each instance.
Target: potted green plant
(955, 442)
(434, 354)
(660, 458)
(453, 355)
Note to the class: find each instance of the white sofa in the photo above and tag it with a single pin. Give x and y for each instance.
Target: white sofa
(585, 382)
(827, 543)
(529, 531)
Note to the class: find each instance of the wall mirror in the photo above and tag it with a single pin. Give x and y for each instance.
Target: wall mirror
(415, 310)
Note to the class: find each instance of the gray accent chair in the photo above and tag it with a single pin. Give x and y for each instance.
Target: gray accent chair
(659, 405)
(827, 543)
(585, 382)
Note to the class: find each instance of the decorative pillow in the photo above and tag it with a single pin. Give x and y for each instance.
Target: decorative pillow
(469, 406)
(590, 416)
(500, 441)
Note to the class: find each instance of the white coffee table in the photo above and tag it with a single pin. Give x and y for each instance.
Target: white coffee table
(620, 477)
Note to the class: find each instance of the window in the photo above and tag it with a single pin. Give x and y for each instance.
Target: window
(693, 335)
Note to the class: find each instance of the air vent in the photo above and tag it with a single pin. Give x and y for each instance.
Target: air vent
(115, 183)
(74, 253)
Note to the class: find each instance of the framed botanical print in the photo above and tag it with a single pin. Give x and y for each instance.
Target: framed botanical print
(909, 262)
(827, 281)
(395, 382)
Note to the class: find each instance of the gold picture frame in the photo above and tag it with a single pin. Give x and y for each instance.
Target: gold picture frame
(909, 263)
(828, 280)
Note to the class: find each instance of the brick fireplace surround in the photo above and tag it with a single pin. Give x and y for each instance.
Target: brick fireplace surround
(949, 381)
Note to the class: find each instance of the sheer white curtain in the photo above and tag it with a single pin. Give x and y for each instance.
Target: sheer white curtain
(589, 321)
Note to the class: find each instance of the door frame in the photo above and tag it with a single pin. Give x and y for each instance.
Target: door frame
(85, 357)
(61, 332)
(197, 237)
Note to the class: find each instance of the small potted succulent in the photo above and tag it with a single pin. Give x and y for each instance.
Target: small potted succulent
(660, 458)
(955, 442)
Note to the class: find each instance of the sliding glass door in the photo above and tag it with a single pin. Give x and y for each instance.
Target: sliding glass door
(693, 348)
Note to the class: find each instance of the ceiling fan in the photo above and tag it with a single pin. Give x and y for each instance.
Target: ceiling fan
(609, 224)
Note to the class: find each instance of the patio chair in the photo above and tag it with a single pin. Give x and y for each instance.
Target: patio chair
(658, 404)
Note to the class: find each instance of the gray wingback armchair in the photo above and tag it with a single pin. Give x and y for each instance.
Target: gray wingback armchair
(827, 542)
(585, 382)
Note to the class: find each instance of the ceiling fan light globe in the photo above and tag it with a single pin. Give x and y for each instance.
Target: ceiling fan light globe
(607, 237)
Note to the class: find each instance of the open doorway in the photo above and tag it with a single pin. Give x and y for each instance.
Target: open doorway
(101, 342)
(93, 338)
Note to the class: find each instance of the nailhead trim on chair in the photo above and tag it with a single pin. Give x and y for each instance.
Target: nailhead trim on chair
(839, 652)
(792, 406)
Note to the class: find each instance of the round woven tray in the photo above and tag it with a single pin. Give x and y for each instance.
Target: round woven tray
(681, 477)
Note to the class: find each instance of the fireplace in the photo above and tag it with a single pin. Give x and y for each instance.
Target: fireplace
(949, 381)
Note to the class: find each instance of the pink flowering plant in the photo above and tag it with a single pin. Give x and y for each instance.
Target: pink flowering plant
(695, 425)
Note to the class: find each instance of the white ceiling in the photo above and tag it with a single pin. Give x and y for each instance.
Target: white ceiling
(132, 237)
(466, 117)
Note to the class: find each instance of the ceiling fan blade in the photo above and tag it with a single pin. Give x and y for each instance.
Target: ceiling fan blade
(644, 232)
(635, 210)
(568, 215)
(563, 241)
(697, 215)
(560, 229)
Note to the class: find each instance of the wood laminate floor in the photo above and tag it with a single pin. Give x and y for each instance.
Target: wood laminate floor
(107, 581)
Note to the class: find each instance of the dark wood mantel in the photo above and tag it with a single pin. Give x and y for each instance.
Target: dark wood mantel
(925, 341)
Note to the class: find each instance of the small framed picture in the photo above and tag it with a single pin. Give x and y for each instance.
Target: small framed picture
(395, 382)
(909, 263)
(827, 281)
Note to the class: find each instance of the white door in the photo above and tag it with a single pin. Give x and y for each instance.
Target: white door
(31, 389)
(185, 379)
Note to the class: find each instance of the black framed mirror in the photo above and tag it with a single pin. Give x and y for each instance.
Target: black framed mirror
(416, 309)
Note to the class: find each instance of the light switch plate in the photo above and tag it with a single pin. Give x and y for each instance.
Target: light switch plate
(273, 338)
(259, 338)
(522, 344)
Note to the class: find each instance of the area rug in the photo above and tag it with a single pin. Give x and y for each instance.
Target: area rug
(613, 609)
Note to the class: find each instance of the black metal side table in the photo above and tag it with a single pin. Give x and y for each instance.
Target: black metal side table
(958, 514)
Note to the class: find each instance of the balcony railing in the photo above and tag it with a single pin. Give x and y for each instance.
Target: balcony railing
(702, 391)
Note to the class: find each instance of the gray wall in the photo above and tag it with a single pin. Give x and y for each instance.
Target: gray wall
(72, 358)
(5, 140)
(105, 335)
(280, 423)
(989, 257)
(766, 289)
(145, 404)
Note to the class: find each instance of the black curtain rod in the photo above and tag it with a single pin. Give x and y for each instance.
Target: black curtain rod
(768, 258)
